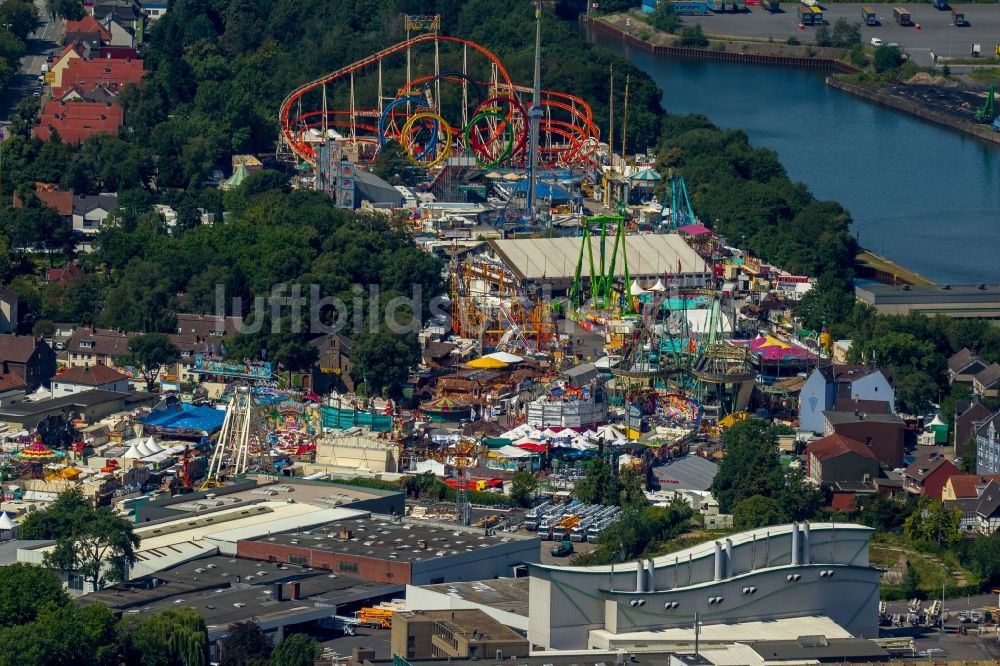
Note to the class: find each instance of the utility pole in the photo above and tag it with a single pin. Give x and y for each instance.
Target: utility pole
(535, 114)
(697, 631)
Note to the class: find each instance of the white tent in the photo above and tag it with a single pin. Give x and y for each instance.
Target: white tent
(606, 362)
(512, 452)
(520, 431)
(659, 286)
(504, 357)
(937, 421)
(6, 524)
(635, 289)
(134, 453)
(609, 433)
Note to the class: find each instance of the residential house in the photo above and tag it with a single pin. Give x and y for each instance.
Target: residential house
(124, 19)
(87, 31)
(964, 365)
(826, 385)
(928, 474)
(988, 511)
(966, 486)
(96, 346)
(987, 434)
(72, 51)
(969, 522)
(844, 494)
(153, 9)
(29, 358)
(207, 326)
(113, 73)
(76, 121)
(986, 382)
(882, 433)
(77, 380)
(64, 276)
(967, 414)
(839, 458)
(12, 389)
(9, 316)
(51, 196)
(333, 365)
(101, 93)
(90, 212)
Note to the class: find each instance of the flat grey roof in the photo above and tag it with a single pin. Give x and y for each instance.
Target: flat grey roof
(379, 537)
(687, 473)
(824, 649)
(84, 399)
(508, 594)
(225, 590)
(885, 294)
(850, 417)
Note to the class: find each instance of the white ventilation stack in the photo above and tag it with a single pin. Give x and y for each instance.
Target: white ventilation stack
(719, 567)
(639, 576)
(806, 555)
(796, 546)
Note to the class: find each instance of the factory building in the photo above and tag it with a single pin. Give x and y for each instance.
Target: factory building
(781, 573)
(394, 550)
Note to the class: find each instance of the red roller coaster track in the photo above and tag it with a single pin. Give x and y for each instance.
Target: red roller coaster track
(569, 139)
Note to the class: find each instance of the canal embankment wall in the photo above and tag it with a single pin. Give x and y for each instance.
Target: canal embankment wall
(984, 132)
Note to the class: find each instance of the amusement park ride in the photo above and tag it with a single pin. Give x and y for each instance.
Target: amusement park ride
(465, 104)
(241, 442)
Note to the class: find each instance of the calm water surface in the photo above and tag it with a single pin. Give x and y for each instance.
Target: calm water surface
(920, 194)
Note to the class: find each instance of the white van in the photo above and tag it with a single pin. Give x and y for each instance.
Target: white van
(876, 41)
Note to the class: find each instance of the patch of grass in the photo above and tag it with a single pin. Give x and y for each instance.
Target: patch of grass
(985, 75)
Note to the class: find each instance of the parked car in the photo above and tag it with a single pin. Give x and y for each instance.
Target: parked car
(876, 41)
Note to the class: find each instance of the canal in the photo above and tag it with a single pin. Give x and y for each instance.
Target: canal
(920, 194)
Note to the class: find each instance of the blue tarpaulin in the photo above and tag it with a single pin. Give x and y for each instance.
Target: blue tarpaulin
(182, 418)
(545, 191)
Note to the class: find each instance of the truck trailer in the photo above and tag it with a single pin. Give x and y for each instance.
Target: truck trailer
(806, 17)
(901, 15)
(957, 17)
(688, 7)
(868, 16)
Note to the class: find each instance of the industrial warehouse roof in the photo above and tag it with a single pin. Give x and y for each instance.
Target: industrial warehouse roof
(225, 590)
(556, 258)
(687, 473)
(379, 537)
(884, 294)
(507, 594)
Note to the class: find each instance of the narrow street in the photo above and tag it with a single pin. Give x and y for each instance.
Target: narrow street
(47, 39)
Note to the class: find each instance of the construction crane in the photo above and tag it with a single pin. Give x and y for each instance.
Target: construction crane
(987, 112)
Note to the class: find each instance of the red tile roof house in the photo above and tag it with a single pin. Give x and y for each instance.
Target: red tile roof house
(76, 121)
(64, 276)
(77, 380)
(839, 458)
(51, 196)
(928, 474)
(89, 73)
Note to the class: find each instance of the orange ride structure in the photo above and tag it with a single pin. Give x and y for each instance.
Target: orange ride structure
(437, 96)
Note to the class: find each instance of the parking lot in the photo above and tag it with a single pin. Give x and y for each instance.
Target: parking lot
(936, 33)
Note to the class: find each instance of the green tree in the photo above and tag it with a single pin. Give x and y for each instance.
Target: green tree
(750, 465)
(296, 650)
(984, 558)
(172, 637)
(757, 511)
(693, 36)
(846, 34)
(95, 543)
(664, 18)
(633, 489)
(969, 454)
(245, 644)
(933, 523)
(911, 584)
(26, 589)
(382, 360)
(523, 488)
(149, 353)
(887, 58)
(915, 391)
(71, 10)
(823, 37)
(600, 485)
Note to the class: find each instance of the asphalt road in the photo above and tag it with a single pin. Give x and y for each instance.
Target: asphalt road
(936, 33)
(46, 39)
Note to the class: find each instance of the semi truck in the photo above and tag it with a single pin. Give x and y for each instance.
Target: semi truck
(868, 16)
(957, 17)
(688, 8)
(901, 15)
(806, 16)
